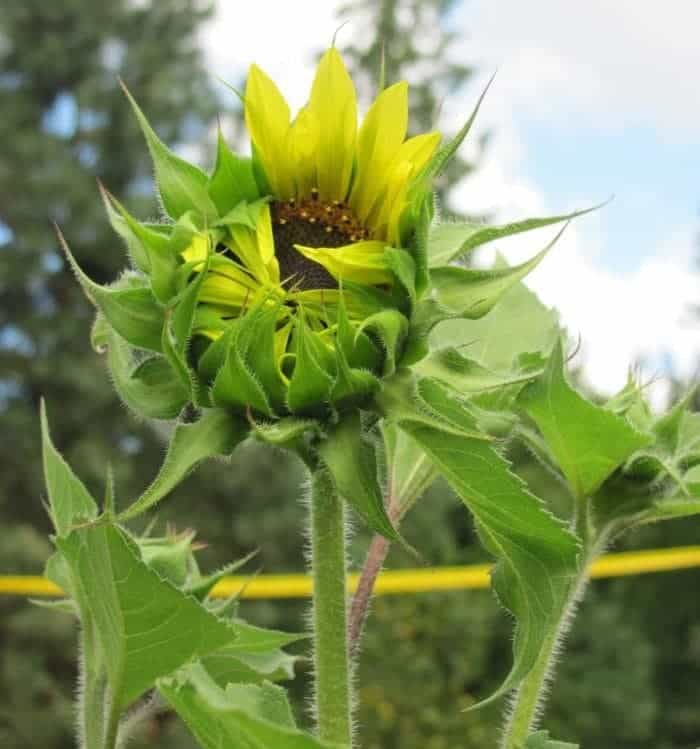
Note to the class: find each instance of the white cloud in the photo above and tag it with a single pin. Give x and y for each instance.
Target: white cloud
(617, 64)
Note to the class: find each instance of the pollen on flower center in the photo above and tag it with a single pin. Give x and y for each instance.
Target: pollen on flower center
(312, 223)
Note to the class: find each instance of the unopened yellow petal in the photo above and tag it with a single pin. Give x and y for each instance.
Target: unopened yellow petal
(268, 121)
(361, 262)
(381, 135)
(304, 139)
(334, 106)
(197, 250)
(418, 150)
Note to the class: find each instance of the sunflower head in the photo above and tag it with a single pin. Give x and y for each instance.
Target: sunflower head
(283, 283)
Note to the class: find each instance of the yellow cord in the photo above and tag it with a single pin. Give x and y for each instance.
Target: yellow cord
(398, 581)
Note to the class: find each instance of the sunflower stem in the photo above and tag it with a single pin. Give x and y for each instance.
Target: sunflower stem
(331, 656)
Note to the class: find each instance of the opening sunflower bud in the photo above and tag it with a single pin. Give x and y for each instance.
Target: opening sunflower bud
(286, 280)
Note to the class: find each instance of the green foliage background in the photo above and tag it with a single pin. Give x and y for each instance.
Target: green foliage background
(632, 667)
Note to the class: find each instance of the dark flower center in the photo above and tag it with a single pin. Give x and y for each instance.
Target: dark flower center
(311, 223)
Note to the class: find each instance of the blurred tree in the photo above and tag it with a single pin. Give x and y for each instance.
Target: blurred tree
(411, 38)
(65, 122)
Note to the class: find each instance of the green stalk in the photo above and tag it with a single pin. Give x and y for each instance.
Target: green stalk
(331, 659)
(91, 693)
(529, 698)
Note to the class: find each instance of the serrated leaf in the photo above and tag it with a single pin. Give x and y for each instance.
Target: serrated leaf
(151, 387)
(130, 309)
(241, 716)
(146, 627)
(518, 323)
(450, 241)
(216, 432)
(588, 442)
(352, 462)
(541, 740)
(233, 179)
(182, 186)
(536, 554)
(69, 500)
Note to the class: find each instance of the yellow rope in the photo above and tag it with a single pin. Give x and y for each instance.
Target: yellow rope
(398, 581)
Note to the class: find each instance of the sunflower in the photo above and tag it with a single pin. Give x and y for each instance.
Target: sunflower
(299, 280)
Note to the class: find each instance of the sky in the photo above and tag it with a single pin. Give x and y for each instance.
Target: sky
(591, 100)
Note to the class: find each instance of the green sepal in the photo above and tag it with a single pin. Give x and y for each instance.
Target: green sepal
(232, 180)
(177, 330)
(244, 214)
(171, 556)
(352, 462)
(450, 241)
(151, 250)
(443, 155)
(389, 327)
(471, 292)
(182, 186)
(149, 387)
(216, 432)
(313, 376)
(146, 627)
(69, 500)
(285, 432)
(465, 375)
(248, 377)
(588, 442)
(143, 242)
(129, 305)
(403, 266)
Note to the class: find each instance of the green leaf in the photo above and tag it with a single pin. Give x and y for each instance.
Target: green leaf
(352, 462)
(129, 307)
(588, 442)
(253, 668)
(216, 432)
(233, 179)
(150, 387)
(537, 556)
(541, 740)
(450, 241)
(69, 500)
(240, 716)
(182, 185)
(146, 627)
(471, 293)
(518, 323)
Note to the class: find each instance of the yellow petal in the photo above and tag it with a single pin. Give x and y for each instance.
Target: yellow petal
(267, 118)
(391, 205)
(381, 135)
(418, 150)
(256, 249)
(361, 262)
(197, 250)
(303, 147)
(333, 104)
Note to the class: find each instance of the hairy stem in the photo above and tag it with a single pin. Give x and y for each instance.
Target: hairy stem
(331, 657)
(529, 698)
(374, 561)
(91, 692)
